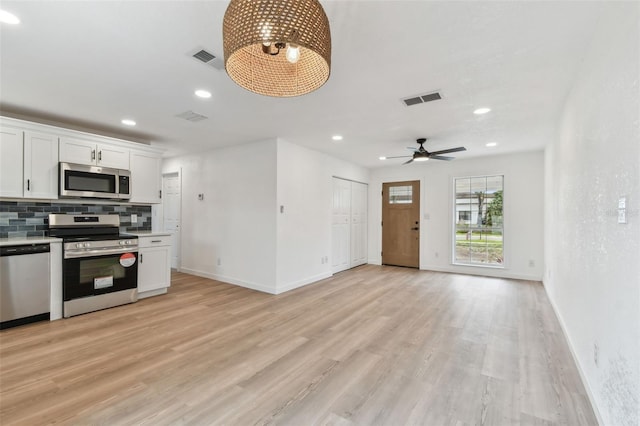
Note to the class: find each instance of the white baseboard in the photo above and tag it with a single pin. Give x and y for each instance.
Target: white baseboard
(484, 272)
(583, 377)
(230, 280)
(301, 283)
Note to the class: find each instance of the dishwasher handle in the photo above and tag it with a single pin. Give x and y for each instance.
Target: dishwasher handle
(24, 249)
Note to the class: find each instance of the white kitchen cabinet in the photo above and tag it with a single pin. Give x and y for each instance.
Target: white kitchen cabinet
(79, 151)
(154, 269)
(145, 177)
(11, 162)
(40, 165)
(29, 164)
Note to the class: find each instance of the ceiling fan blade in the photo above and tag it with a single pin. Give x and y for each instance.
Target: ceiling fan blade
(441, 157)
(446, 151)
(410, 161)
(399, 156)
(412, 148)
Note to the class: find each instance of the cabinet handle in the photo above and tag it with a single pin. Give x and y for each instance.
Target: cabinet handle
(28, 184)
(160, 194)
(156, 241)
(93, 154)
(99, 155)
(140, 257)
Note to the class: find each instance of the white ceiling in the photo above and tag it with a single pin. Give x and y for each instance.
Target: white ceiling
(96, 62)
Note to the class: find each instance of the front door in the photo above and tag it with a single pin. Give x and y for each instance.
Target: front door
(401, 224)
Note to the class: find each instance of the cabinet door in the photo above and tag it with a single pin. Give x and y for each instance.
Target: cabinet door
(145, 177)
(11, 162)
(114, 157)
(358, 223)
(77, 151)
(340, 226)
(40, 165)
(154, 270)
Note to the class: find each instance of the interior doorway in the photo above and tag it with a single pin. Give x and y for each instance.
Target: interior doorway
(401, 223)
(171, 201)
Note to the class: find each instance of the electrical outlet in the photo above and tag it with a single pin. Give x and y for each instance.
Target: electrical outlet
(596, 354)
(134, 218)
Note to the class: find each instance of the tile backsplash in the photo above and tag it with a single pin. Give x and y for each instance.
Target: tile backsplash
(26, 219)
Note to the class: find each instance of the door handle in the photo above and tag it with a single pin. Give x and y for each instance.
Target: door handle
(415, 229)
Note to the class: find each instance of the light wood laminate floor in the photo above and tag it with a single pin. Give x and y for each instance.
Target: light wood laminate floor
(370, 346)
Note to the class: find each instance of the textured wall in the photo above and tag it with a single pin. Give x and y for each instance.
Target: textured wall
(592, 272)
(22, 219)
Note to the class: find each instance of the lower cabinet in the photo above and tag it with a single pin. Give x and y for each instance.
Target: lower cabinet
(154, 269)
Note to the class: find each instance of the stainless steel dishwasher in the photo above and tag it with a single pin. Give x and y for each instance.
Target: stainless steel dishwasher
(24, 284)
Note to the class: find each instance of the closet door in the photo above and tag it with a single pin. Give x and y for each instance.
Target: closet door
(358, 224)
(340, 227)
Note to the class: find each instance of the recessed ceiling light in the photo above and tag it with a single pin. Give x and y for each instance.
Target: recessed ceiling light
(8, 18)
(336, 137)
(481, 111)
(203, 94)
(128, 122)
(383, 158)
(492, 144)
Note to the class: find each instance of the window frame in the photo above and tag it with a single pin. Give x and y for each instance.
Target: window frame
(454, 220)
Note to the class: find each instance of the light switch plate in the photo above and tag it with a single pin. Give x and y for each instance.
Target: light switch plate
(622, 216)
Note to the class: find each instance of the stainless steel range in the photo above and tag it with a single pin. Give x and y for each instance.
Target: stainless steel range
(99, 266)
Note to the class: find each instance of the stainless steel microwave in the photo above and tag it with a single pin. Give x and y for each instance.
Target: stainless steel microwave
(80, 181)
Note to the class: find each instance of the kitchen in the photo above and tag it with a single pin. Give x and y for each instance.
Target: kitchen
(81, 202)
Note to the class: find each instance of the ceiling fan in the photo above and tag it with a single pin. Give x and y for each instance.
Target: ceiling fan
(421, 154)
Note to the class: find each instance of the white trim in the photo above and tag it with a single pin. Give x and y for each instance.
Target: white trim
(485, 272)
(583, 376)
(60, 131)
(301, 283)
(230, 280)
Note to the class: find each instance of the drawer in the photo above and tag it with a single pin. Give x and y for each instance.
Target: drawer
(164, 240)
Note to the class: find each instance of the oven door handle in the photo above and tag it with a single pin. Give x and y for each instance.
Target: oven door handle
(99, 252)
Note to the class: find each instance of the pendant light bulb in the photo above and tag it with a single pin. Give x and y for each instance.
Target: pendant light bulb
(293, 53)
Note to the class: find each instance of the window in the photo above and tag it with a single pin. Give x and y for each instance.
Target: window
(478, 233)
(401, 194)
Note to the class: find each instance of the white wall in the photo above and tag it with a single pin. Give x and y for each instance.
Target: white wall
(236, 221)
(523, 211)
(239, 220)
(304, 229)
(592, 262)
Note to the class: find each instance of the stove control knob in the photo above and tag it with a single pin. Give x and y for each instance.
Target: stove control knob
(78, 245)
(128, 242)
(121, 242)
(87, 245)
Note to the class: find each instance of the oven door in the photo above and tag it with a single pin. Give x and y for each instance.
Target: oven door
(96, 275)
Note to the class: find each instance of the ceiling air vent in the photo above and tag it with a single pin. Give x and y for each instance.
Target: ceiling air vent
(209, 59)
(420, 99)
(192, 116)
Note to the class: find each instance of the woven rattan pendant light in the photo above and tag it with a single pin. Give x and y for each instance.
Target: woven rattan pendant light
(260, 38)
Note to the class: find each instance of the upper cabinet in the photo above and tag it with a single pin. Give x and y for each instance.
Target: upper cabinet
(40, 165)
(11, 162)
(145, 177)
(79, 151)
(30, 154)
(28, 164)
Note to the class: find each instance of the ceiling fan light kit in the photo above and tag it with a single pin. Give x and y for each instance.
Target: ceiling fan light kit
(279, 48)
